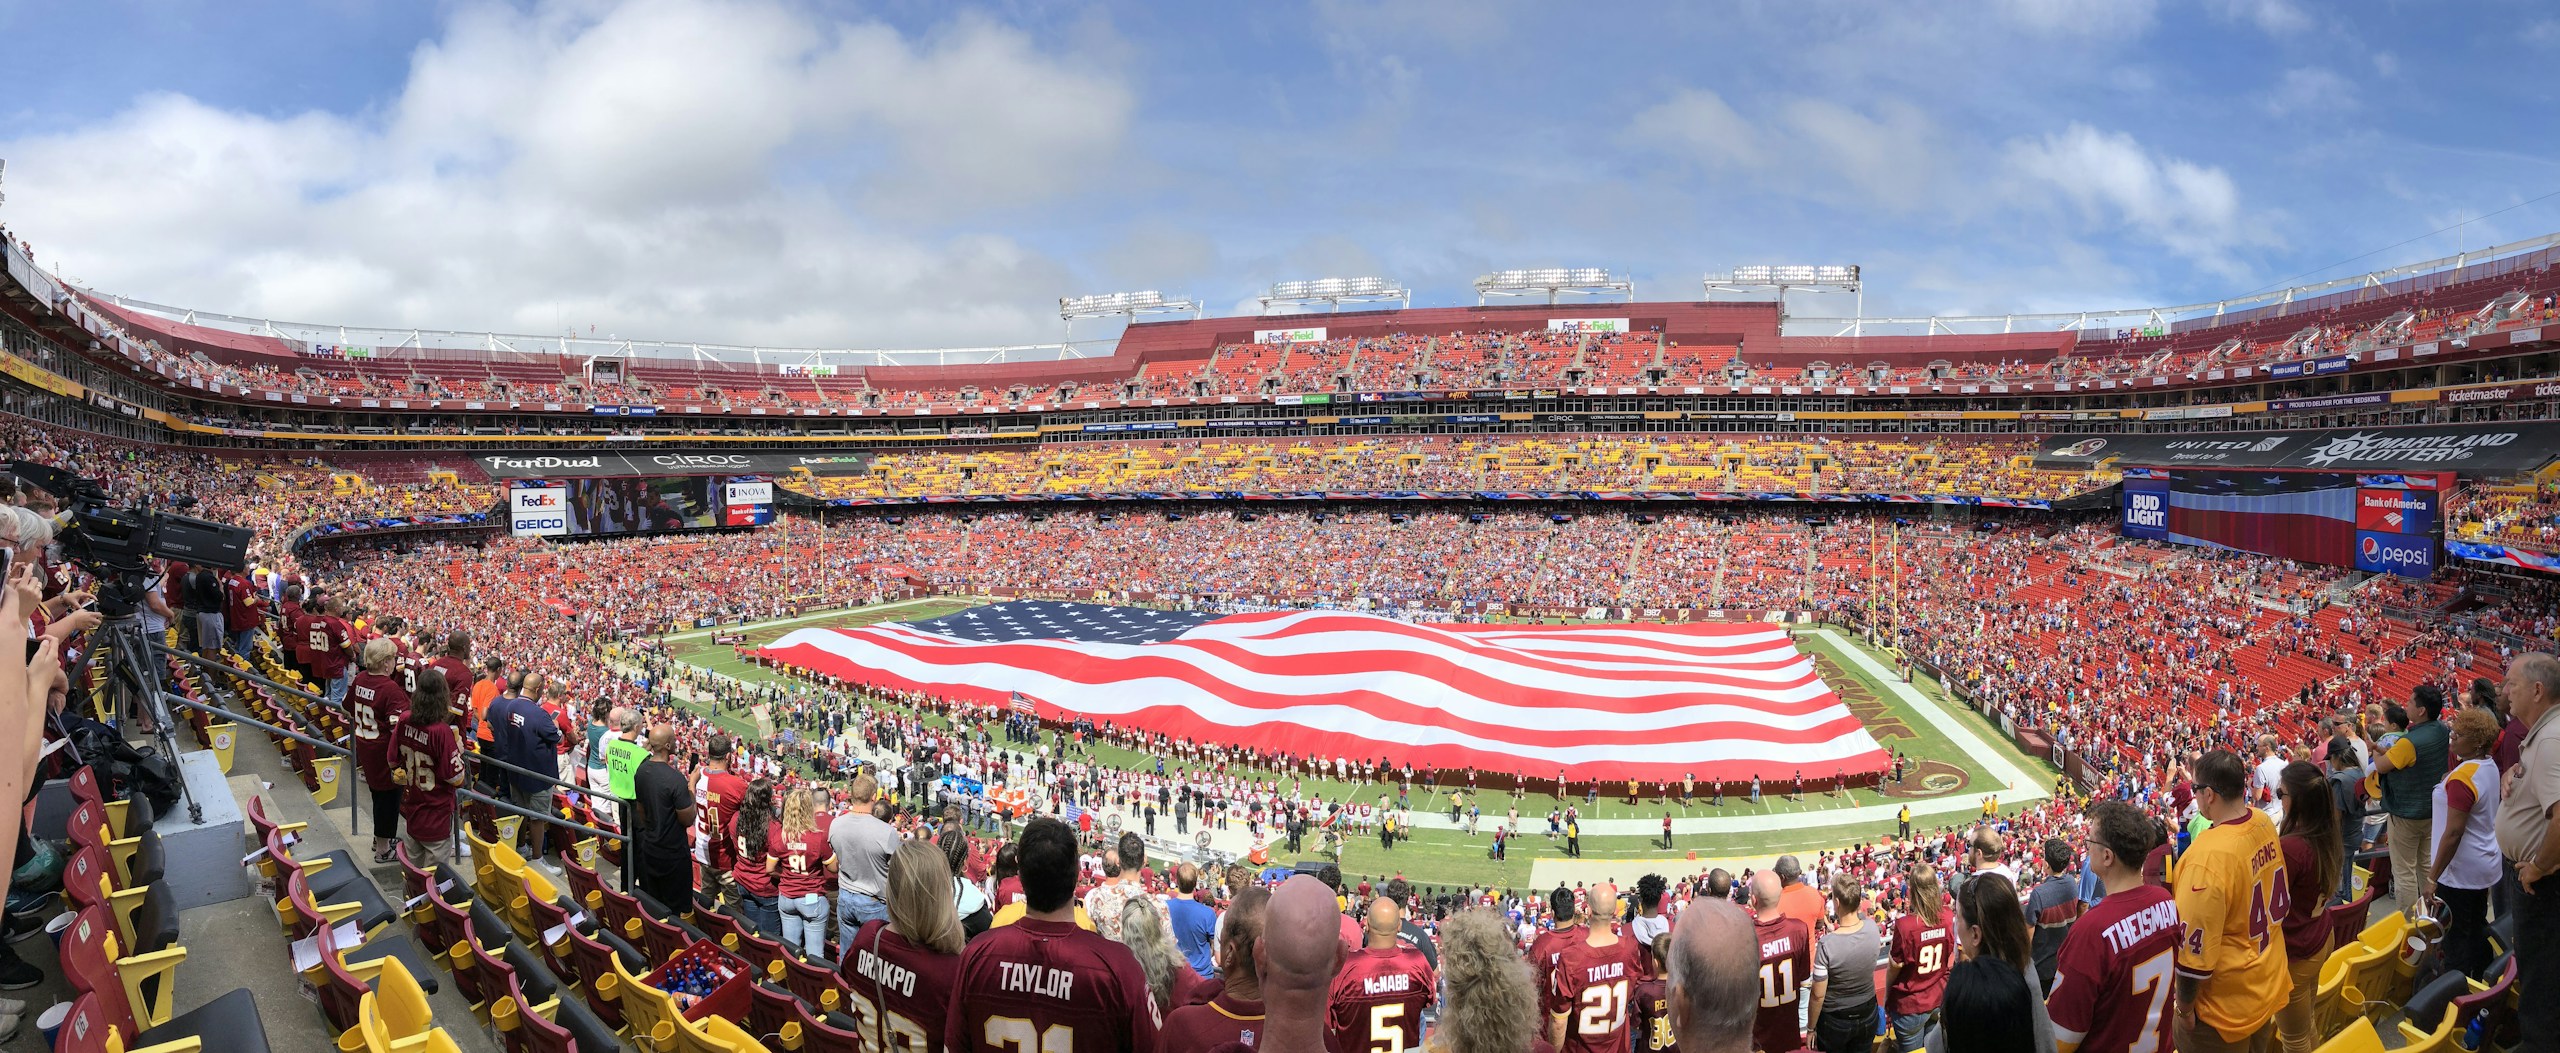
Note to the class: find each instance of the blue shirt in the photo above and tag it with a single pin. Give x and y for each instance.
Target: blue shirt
(527, 737)
(1195, 927)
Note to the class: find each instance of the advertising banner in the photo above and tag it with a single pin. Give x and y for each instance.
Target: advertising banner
(2404, 555)
(538, 511)
(2396, 511)
(595, 464)
(2539, 389)
(2314, 368)
(2486, 447)
(2145, 503)
(2370, 398)
(1313, 334)
(1587, 325)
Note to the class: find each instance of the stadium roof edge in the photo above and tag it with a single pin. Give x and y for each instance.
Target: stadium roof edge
(487, 342)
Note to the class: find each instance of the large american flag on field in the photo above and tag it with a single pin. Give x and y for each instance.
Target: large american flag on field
(1605, 702)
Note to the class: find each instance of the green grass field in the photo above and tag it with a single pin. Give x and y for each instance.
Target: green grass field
(1941, 770)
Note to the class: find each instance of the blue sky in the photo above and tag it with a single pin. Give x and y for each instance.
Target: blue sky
(916, 175)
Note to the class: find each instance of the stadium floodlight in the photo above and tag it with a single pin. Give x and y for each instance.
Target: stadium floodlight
(1335, 292)
(1782, 277)
(1554, 282)
(1131, 304)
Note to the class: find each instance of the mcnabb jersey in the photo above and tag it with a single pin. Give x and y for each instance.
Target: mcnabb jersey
(1377, 1001)
(2111, 984)
(1594, 989)
(1786, 964)
(1050, 987)
(2232, 895)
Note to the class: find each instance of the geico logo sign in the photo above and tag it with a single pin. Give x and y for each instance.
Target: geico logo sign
(543, 463)
(2145, 510)
(541, 523)
(698, 460)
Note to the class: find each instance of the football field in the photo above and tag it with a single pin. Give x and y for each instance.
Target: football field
(1956, 757)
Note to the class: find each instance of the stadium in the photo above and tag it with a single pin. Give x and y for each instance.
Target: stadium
(1704, 668)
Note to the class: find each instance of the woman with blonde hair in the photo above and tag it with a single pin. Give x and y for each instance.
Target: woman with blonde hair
(1488, 1006)
(800, 885)
(1149, 935)
(921, 939)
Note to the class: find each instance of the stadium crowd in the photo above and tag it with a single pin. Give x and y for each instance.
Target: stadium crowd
(2278, 699)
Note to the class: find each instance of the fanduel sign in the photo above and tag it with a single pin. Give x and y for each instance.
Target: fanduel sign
(625, 464)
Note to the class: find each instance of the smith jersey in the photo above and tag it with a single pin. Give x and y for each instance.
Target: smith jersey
(1786, 964)
(2233, 897)
(2111, 985)
(1377, 1001)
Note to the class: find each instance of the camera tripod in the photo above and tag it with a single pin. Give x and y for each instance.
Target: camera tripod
(133, 677)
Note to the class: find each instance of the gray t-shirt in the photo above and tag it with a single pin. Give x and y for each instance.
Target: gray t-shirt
(863, 845)
(1848, 961)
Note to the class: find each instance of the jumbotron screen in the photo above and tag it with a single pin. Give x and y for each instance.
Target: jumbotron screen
(2382, 523)
(590, 507)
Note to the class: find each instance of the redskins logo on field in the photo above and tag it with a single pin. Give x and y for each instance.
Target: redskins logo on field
(2083, 448)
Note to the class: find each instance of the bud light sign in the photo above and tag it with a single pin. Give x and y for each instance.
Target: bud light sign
(2410, 556)
(2146, 504)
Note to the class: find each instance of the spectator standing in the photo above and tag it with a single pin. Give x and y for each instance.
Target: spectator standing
(666, 815)
(806, 853)
(2112, 983)
(2528, 812)
(1044, 976)
(1713, 989)
(2409, 769)
(907, 968)
(430, 770)
(2309, 838)
(526, 737)
(1235, 1015)
(2231, 976)
(1991, 1003)
(862, 845)
(2052, 905)
(754, 831)
(1924, 947)
(1844, 973)
(376, 704)
(1195, 924)
(2464, 866)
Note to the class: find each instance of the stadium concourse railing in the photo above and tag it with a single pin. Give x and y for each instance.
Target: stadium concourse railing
(327, 747)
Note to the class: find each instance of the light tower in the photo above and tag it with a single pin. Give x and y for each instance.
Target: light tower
(1786, 276)
(1130, 304)
(1334, 292)
(1555, 282)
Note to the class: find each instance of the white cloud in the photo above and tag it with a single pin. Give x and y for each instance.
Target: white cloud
(2188, 208)
(702, 169)
(2273, 17)
(1807, 147)
(2095, 18)
(2310, 89)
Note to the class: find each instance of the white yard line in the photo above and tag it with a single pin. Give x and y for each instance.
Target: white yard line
(839, 612)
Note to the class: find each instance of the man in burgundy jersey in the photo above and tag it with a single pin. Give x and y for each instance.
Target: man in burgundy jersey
(1922, 948)
(1044, 985)
(329, 643)
(376, 703)
(1653, 1032)
(1235, 1015)
(1548, 944)
(2111, 986)
(719, 790)
(454, 663)
(1786, 965)
(1380, 994)
(1591, 993)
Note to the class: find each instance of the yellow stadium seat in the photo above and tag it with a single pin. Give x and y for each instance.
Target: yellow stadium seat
(2359, 1037)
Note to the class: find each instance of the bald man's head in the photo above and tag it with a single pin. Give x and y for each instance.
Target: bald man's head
(624, 719)
(1301, 942)
(1764, 891)
(1604, 900)
(1714, 988)
(1386, 918)
(662, 740)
